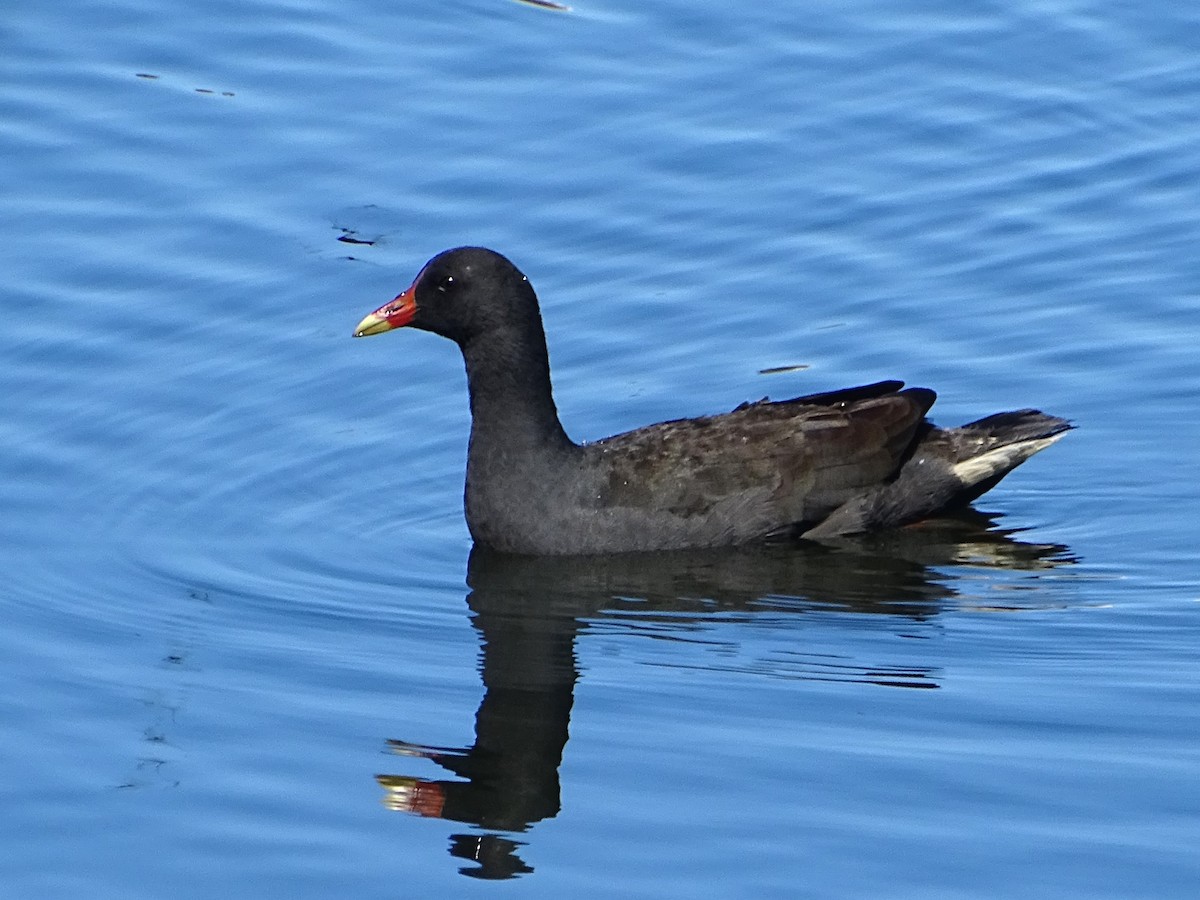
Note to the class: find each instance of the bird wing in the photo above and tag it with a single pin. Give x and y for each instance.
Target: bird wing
(776, 463)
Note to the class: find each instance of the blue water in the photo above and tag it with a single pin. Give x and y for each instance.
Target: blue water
(247, 650)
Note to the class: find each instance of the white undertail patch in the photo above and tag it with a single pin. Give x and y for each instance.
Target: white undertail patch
(1002, 459)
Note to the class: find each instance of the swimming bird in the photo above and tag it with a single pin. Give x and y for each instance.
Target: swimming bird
(818, 466)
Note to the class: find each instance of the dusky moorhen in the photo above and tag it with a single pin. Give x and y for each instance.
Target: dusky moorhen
(818, 466)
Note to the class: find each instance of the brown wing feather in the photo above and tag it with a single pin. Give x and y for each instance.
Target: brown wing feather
(794, 460)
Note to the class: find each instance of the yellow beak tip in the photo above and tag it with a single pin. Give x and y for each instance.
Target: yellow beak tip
(372, 324)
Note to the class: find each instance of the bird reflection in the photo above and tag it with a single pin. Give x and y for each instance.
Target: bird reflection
(529, 611)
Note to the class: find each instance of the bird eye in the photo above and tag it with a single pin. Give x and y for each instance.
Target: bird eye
(445, 283)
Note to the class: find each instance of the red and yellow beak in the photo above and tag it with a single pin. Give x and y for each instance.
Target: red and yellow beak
(395, 314)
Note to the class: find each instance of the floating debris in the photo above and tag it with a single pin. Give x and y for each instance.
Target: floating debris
(547, 4)
(149, 76)
(777, 370)
(361, 233)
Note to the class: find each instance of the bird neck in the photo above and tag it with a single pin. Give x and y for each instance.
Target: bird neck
(512, 403)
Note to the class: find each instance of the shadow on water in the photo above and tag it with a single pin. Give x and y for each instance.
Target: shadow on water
(529, 612)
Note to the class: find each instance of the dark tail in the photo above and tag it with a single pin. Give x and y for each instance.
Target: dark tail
(948, 468)
(988, 449)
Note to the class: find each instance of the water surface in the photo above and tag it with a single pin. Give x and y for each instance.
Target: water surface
(248, 648)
